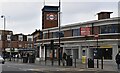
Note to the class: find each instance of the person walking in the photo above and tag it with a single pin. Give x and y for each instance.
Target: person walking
(117, 58)
(64, 58)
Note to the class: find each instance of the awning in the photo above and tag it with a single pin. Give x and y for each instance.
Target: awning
(8, 50)
(26, 49)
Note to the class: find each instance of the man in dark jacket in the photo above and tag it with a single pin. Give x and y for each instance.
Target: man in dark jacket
(64, 58)
(117, 58)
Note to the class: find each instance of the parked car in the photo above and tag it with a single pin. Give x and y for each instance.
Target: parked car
(2, 60)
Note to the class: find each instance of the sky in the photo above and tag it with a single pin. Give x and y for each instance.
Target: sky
(25, 16)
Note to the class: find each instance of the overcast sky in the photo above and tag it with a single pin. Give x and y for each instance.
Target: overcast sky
(24, 16)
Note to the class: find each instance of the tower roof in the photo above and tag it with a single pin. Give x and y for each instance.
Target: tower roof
(51, 8)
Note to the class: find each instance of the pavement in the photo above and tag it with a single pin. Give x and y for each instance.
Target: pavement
(109, 66)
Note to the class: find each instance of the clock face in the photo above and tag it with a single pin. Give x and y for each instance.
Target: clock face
(51, 16)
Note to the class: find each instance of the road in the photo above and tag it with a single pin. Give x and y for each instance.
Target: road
(11, 67)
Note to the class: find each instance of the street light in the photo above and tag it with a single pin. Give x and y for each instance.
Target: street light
(96, 36)
(10, 45)
(4, 19)
(59, 33)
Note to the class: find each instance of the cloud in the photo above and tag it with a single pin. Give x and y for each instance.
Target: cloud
(21, 11)
(25, 17)
(20, 15)
(85, 11)
(53, 1)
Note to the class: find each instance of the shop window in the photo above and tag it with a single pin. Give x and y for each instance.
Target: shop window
(105, 52)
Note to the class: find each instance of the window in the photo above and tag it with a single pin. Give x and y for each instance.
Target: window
(41, 35)
(55, 34)
(8, 37)
(76, 32)
(45, 36)
(109, 29)
(29, 39)
(20, 38)
(29, 45)
(0, 37)
(61, 34)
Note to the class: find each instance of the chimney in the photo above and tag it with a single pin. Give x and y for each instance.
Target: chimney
(104, 15)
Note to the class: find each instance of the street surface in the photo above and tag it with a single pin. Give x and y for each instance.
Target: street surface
(19, 67)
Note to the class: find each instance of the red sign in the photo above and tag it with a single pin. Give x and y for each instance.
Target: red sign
(51, 16)
(96, 36)
(85, 31)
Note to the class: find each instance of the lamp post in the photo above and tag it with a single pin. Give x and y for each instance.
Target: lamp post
(10, 45)
(96, 36)
(59, 33)
(4, 20)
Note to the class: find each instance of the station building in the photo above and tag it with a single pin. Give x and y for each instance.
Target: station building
(80, 39)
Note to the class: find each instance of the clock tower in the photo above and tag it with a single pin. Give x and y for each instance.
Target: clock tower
(50, 17)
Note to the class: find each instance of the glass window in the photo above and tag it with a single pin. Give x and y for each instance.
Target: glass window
(61, 34)
(29, 45)
(45, 36)
(109, 29)
(55, 34)
(0, 37)
(41, 35)
(20, 38)
(29, 39)
(76, 32)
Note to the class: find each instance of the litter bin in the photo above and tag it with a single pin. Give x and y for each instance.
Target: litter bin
(25, 60)
(83, 59)
(31, 59)
(90, 63)
(69, 61)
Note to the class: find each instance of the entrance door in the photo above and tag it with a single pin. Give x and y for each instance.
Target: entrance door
(68, 51)
(75, 53)
(107, 52)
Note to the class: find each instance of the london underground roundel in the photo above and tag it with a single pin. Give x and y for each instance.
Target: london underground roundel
(51, 16)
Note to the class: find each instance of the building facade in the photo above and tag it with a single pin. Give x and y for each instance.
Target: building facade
(9, 41)
(5, 39)
(37, 34)
(84, 39)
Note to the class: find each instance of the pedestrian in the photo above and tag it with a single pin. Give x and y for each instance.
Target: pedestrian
(18, 56)
(64, 58)
(117, 58)
(51, 57)
(27, 55)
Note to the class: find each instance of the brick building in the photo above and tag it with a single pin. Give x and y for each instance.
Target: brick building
(37, 35)
(8, 41)
(83, 39)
